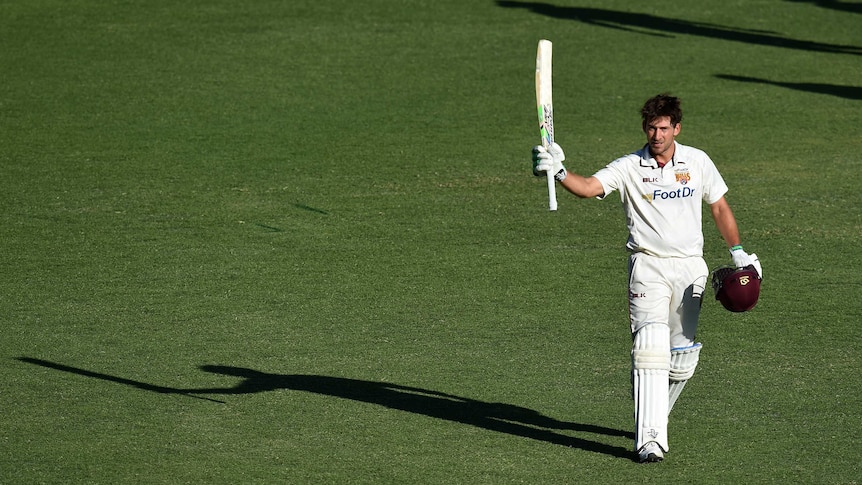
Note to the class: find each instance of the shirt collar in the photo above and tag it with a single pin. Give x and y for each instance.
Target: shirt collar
(648, 161)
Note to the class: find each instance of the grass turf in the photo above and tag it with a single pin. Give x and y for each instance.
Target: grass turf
(328, 204)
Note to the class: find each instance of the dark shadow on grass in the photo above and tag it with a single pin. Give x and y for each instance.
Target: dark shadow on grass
(269, 228)
(310, 209)
(499, 417)
(110, 378)
(853, 7)
(846, 92)
(664, 26)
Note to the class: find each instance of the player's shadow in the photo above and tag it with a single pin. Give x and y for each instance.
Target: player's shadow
(667, 27)
(853, 93)
(499, 417)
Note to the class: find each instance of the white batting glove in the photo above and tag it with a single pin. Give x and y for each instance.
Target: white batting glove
(556, 151)
(549, 160)
(741, 259)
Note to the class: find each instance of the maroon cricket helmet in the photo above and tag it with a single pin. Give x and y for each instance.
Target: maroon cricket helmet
(736, 288)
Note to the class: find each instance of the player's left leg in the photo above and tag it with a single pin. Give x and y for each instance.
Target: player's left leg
(683, 362)
(685, 304)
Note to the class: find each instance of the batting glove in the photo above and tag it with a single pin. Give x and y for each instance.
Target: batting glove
(741, 259)
(549, 160)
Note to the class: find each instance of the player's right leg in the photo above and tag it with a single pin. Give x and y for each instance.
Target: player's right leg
(649, 307)
(650, 368)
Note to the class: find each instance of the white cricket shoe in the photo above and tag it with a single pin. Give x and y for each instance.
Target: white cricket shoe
(650, 453)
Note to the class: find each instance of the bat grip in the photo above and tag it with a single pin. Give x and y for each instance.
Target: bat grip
(552, 192)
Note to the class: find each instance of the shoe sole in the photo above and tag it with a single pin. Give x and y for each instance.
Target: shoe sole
(651, 458)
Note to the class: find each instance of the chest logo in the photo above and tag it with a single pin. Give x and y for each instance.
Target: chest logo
(682, 176)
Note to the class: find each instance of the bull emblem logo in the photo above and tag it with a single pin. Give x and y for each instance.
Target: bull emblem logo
(683, 177)
(744, 280)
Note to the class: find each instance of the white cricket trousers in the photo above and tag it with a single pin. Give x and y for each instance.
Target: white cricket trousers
(667, 291)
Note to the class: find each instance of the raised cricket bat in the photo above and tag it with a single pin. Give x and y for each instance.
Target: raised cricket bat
(544, 100)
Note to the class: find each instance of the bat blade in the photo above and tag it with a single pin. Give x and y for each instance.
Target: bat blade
(545, 103)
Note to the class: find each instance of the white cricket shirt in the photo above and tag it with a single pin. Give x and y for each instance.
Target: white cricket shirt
(663, 204)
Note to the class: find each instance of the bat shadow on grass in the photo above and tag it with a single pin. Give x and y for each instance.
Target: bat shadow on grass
(499, 417)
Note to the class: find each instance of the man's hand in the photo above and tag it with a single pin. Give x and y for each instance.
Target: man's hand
(741, 259)
(550, 160)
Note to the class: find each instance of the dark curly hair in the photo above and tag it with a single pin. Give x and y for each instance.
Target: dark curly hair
(662, 105)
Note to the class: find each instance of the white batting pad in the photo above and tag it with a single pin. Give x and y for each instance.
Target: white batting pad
(683, 362)
(650, 370)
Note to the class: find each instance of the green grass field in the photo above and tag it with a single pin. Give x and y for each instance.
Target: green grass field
(298, 241)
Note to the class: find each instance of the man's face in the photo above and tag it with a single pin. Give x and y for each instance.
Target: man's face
(660, 135)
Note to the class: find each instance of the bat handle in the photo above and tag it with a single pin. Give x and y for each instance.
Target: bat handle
(552, 192)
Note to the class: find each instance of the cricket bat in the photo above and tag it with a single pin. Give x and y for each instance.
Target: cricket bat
(544, 100)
